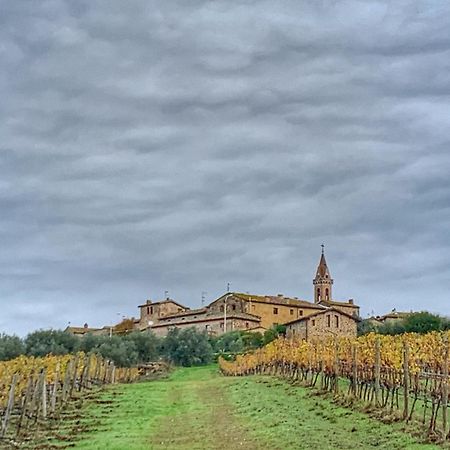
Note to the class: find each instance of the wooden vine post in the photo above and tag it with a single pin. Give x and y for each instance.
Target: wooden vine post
(336, 367)
(354, 369)
(405, 381)
(377, 372)
(9, 406)
(445, 389)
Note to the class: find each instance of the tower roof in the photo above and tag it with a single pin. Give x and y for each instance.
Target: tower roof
(322, 269)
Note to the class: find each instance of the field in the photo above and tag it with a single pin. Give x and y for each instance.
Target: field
(197, 408)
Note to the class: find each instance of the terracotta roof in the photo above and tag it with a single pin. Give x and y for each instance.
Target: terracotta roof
(395, 315)
(300, 319)
(168, 300)
(80, 330)
(189, 312)
(335, 302)
(273, 299)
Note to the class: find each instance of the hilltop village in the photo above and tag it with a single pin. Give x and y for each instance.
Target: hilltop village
(251, 312)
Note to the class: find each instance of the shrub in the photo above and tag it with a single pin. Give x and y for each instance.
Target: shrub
(10, 347)
(187, 347)
(57, 342)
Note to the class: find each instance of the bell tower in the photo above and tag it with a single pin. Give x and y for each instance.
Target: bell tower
(323, 281)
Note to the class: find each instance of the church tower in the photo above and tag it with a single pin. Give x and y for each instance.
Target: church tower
(323, 281)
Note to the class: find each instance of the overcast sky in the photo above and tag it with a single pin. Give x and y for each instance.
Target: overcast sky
(148, 146)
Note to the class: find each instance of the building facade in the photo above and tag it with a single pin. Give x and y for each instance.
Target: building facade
(331, 322)
(244, 311)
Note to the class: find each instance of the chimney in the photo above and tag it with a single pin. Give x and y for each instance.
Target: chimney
(351, 301)
(85, 326)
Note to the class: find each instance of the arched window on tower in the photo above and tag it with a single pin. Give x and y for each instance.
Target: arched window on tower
(326, 294)
(318, 294)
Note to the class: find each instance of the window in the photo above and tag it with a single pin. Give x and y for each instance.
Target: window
(206, 327)
(246, 324)
(275, 310)
(300, 312)
(291, 312)
(318, 293)
(253, 307)
(151, 309)
(148, 309)
(326, 294)
(293, 331)
(313, 323)
(233, 307)
(337, 321)
(221, 325)
(221, 308)
(328, 321)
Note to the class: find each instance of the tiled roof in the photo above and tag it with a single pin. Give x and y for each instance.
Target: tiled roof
(395, 315)
(80, 330)
(337, 303)
(277, 299)
(168, 300)
(332, 309)
(189, 312)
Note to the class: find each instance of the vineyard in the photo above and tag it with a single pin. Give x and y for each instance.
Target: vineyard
(34, 392)
(401, 377)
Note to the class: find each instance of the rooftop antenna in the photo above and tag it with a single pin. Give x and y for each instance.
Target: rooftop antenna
(166, 294)
(228, 286)
(203, 298)
(323, 248)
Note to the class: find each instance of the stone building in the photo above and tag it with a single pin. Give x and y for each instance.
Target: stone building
(244, 311)
(152, 312)
(331, 322)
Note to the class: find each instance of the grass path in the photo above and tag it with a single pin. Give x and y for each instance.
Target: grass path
(199, 409)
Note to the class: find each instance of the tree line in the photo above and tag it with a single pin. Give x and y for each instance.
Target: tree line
(183, 347)
(419, 322)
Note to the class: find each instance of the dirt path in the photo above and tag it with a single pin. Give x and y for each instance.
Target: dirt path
(206, 420)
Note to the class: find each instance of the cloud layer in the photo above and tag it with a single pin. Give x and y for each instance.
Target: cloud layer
(151, 146)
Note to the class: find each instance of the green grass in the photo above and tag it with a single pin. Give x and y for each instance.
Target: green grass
(197, 408)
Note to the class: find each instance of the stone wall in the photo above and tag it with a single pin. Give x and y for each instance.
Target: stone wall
(271, 313)
(331, 323)
(213, 326)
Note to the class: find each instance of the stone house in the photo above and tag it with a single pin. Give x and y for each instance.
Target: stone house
(152, 312)
(331, 322)
(393, 317)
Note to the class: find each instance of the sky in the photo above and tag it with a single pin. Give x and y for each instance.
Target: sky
(152, 146)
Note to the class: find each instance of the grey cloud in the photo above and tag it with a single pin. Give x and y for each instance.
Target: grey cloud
(181, 145)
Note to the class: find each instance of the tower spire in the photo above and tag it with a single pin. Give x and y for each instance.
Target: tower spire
(323, 281)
